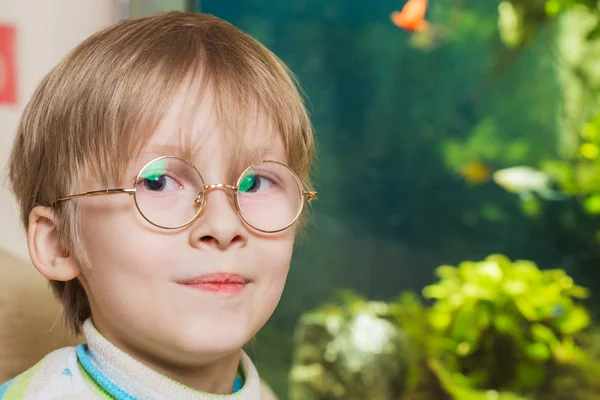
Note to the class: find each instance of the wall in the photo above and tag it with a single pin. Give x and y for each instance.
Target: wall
(45, 32)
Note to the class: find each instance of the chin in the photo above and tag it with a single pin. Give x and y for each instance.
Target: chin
(212, 340)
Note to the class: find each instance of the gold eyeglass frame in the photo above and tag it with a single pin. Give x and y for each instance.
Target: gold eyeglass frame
(307, 196)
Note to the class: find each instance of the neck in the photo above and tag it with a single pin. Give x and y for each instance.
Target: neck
(216, 377)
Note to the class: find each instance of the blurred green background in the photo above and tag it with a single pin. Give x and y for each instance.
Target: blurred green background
(477, 136)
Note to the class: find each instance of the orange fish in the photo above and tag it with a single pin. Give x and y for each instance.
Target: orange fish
(412, 16)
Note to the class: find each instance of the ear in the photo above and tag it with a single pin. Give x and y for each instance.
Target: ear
(48, 255)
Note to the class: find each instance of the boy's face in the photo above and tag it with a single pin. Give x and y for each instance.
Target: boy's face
(134, 284)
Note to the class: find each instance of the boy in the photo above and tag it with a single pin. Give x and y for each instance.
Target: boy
(162, 170)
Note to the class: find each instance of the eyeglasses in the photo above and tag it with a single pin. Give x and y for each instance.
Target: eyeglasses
(170, 193)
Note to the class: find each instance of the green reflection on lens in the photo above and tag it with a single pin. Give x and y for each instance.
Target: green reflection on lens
(247, 182)
(155, 170)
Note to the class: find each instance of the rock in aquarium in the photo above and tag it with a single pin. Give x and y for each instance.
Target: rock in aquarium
(348, 353)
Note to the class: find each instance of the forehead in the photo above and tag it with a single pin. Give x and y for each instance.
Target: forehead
(195, 130)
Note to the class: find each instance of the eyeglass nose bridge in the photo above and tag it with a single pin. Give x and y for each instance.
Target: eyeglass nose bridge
(200, 198)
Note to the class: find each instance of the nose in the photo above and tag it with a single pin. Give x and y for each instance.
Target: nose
(218, 226)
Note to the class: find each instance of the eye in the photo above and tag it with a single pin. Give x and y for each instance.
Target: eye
(254, 183)
(159, 183)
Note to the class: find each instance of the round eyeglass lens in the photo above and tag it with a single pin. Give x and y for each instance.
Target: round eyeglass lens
(166, 192)
(269, 196)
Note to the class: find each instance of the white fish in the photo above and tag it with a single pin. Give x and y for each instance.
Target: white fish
(525, 181)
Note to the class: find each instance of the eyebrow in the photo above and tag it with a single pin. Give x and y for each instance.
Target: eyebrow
(148, 154)
(259, 154)
(165, 150)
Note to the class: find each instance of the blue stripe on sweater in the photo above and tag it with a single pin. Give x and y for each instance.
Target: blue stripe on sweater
(237, 384)
(4, 388)
(99, 377)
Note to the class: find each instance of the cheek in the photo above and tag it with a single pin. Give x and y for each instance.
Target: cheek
(274, 266)
(275, 256)
(120, 249)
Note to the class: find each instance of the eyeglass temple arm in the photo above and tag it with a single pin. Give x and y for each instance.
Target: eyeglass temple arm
(95, 193)
(309, 195)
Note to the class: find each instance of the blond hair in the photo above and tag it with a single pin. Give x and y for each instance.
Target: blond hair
(104, 100)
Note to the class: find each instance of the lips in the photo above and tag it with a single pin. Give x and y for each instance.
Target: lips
(217, 283)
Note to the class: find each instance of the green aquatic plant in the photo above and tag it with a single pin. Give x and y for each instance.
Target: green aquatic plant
(459, 389)
(520, 20)
(579, 175)
(495, 330)
(504, 324)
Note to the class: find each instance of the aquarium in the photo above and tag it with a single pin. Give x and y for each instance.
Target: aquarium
(453, 251)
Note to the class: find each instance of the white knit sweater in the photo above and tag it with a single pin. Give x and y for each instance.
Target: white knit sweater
(102, 371)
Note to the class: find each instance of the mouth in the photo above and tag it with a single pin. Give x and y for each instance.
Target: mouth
(217, 283)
